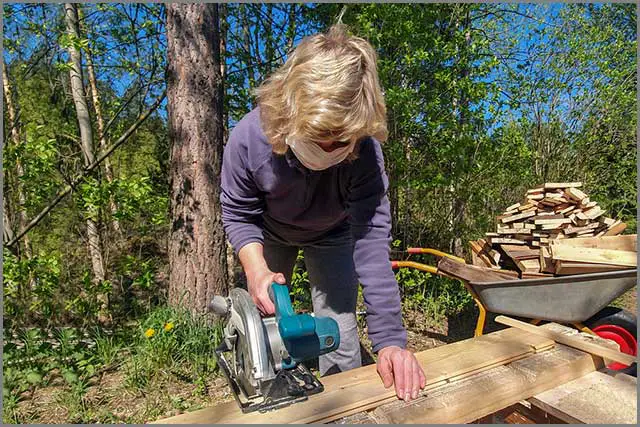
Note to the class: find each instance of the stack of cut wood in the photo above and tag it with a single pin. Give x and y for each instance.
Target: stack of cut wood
(556, 229)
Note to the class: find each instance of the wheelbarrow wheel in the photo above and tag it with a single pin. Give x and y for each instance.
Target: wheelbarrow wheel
(620, 326)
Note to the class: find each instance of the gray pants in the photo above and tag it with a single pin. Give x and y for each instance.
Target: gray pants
(334, 289)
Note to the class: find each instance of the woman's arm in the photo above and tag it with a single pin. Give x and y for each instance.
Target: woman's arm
(242, 208)
(370, 219)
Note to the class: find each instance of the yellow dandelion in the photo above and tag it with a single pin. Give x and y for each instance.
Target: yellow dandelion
(149, 333)
(168, 326)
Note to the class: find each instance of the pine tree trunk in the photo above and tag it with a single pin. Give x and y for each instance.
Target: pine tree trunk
(15, 139)
(86, 138)
(197, 245)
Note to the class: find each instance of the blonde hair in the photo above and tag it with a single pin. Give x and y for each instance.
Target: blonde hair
(327, 90)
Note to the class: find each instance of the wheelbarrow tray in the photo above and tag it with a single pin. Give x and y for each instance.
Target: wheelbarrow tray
(567, 299)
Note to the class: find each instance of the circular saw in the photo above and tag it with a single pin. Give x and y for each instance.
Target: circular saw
(261, 357)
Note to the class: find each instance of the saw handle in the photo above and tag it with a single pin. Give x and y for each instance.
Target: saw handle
(304, 336)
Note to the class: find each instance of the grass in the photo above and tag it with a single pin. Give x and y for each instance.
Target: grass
(158, 367)
(162, 365)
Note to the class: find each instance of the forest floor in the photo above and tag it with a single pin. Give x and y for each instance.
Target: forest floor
(111, 398)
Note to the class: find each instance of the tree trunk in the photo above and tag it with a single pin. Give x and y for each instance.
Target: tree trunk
(15, 139)
(97, 106)
(7, 229)
(86, 138)
(197, 246)
(223, 10)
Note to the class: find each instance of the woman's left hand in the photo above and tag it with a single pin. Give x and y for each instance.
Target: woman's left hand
(400, 367)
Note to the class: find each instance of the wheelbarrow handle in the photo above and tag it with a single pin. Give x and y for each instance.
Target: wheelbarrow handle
(424, 267)
(434, 252)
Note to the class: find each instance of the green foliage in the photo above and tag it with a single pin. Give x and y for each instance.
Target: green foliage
(180, 346)
(483, 102)
(173, 340)
(300, 289)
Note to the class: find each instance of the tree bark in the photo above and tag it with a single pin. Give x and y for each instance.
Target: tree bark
(103, 143)
(86, 138)
(15, 139)
(223, 11)
(197, 246)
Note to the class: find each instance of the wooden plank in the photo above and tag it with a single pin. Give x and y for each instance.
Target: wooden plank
(595, 398)
(554, 221)
(546, 262)
(593, 255)
(507, 230)
(506, 240)
(477, 251)
(567, 209)
(487, 392)
(360, 389)
(561, 185)
(565, 268)
(598, 350)
(513, 207)
(594, 212)
(616, 229)
(627, 242)
(472, 273)
(574, 230)
(517, 217)
(547, 216)
(575, 194)
(528, 265)
(519, 252)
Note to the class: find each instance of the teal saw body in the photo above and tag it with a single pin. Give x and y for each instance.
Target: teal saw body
(262, 357)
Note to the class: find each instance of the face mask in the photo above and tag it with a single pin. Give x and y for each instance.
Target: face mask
(315, 158)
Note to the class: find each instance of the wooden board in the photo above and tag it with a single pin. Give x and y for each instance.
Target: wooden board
(487, 392)
(477, 250)
(513, 218)
(575, 194)
(595, 398)
(528, 265)
(627, 242)
(506, 240)
(569, 341)
(473, 273)
(562, 185)
(520, 252)
(554, 221)
(616, 229)
(593, 255)
(564, 268)
(360, 389)
(574, 230)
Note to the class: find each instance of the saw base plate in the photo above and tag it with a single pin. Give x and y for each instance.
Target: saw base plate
(289, 386)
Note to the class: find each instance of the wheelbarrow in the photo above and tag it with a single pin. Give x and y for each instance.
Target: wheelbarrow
(580, 300)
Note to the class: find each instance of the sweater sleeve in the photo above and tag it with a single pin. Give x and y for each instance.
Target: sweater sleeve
(370, 219)
(242, 202)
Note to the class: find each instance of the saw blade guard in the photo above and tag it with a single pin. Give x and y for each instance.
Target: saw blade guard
(247, 322)
(304, 336)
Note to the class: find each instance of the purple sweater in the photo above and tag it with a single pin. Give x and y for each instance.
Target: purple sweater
(261, 189)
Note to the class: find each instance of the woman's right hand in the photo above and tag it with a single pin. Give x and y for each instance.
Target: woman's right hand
(258, 283)
(259, 277)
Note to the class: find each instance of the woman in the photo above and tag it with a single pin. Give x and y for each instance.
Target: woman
(305, 170)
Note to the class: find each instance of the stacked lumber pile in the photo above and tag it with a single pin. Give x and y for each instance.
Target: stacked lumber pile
(555, 230)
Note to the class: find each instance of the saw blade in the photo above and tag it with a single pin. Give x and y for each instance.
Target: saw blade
(251, 358)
